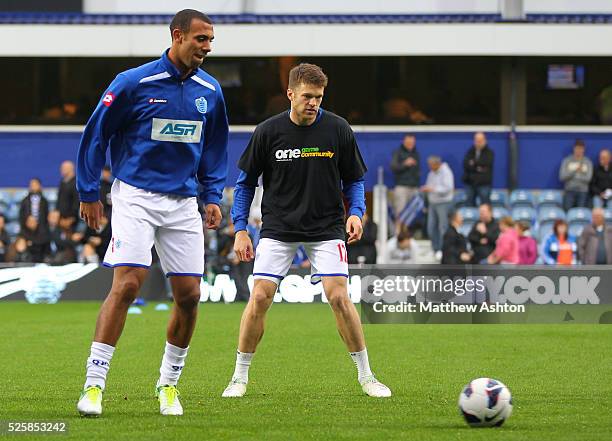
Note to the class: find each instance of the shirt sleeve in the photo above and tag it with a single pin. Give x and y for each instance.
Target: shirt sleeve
(108, 118)
(212, 171)
(244, 192)
(355, 193)
(351, 164)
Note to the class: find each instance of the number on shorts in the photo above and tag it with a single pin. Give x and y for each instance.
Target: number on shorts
(343, 254)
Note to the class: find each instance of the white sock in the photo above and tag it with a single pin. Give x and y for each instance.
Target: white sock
(172, 364)
(363, 365)
(243, 362)
(98, 364)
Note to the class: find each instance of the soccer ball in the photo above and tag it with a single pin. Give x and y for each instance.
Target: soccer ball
(485, 402)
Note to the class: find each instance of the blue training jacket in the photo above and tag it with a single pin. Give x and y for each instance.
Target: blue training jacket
(165, 135)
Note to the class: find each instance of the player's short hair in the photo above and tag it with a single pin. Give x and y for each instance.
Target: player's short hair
(306, 73)
(182, 20)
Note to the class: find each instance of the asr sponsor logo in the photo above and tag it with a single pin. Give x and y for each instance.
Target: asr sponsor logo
(176, 130)
(283, 155)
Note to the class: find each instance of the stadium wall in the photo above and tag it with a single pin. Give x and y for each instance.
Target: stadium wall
(27, 152)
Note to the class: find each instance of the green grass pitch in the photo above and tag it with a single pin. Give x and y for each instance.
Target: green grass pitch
(303, 383)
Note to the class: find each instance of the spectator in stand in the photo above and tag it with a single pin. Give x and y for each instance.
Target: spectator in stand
(67, 196)
(454, 245)
(595, 243)
(560, 248)
(483, 235)
(575, 173)
(106, 182)
(61, 248)
(439, 188)
(33, 214)
(601, 182)
(18, 252)
(478, 171)
(528, 247)
(401, 248)
(507, 245)
(95, 242)
(5, 240)
(364, 251)
(405, 167)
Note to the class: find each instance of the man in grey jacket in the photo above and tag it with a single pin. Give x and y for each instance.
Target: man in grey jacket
(575, 173)
(595, 243)
(439, 188)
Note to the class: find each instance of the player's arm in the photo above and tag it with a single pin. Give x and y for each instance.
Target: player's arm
(244, 192)
(108, 118)
(355, 194)
(212, 170)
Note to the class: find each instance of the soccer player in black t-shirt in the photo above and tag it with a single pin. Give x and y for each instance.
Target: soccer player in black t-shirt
(307, 158)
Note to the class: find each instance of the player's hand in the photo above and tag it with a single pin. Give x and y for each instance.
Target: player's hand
(213, 216)
(91, 212)
(354, 229)
(243, 247)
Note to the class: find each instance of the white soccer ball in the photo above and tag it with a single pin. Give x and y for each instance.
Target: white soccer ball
(485, 402)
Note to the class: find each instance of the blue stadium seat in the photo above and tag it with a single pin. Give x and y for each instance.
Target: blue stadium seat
(50, 195)
(499, 212)
(12, 228)
(18, 195)
(499, 198)
(466, 228)
(469, 214)
(550, 214)
(524, 214)
(548, 198)
(608, 214)
(521, 198)
(12, 213)
(543, 231)
(582, 215)
(575, 229)
(459, 198)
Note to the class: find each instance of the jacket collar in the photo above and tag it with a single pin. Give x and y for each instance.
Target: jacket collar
(172, 69)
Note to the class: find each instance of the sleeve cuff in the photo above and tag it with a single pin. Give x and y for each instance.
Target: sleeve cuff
(356, 211)
(210, 198)
(89, 196)
(240, 225)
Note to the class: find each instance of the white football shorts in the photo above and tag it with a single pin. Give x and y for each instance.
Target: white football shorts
(142, 219)
(273, 259)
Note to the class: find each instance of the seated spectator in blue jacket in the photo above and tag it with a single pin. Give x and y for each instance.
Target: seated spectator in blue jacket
(576, 172)
(601, 182)
(560, 248)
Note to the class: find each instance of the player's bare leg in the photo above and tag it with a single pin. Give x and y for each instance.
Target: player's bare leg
(111, 320)
(186, 292)
(251, 331)
(349, 327)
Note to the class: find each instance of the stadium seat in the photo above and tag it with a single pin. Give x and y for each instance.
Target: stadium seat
(608, 214)
(578, 215)
(50, 195)
(521, 198)
(469, 214)
(466, 228)
(543, 231)
(459, 199)
(499, 212)
(499, 198)
(550, 214)
(575, 229)
(18, 195)
(524, 214)
(548, 198)
(12, 213)
(12, 228)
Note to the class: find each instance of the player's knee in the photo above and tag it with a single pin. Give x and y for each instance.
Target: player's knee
(127, 289)
(261, 299)
(189, 300)
(339, 301)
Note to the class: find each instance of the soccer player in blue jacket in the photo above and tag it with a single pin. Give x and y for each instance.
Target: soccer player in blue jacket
(307, 158)
(166, 126)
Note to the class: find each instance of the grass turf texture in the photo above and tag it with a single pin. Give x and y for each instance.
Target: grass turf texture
(303, 383)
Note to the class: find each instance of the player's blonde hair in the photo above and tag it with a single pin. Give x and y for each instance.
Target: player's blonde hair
(306, 73)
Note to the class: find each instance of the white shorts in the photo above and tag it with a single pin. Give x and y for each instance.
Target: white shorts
(273, 259)
(142, 219)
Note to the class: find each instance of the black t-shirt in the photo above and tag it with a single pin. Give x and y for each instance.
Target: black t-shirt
(303, 168)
